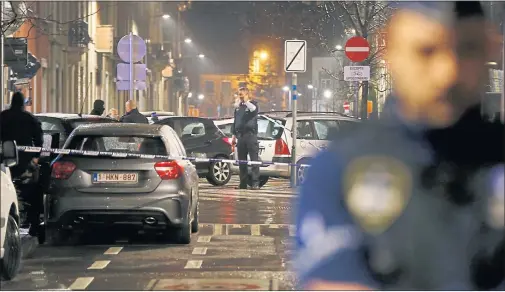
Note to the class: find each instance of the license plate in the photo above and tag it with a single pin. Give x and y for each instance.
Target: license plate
(108, 177)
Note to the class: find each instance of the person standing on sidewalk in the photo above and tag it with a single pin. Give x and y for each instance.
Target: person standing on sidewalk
(245, 129)
(132, 114)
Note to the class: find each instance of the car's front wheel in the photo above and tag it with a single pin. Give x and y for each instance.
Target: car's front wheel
(10, 263)
(219, 173)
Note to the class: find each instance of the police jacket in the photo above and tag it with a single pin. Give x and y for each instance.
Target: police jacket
(245, 118)
(134, 116)
(399, 207)
(21, 126)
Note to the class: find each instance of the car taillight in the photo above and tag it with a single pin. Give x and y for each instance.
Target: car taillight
(228, 140)
(168, 170)
(281, 148)
(62, 169)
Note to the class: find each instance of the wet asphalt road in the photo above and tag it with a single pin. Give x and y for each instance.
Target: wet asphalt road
(244, 243)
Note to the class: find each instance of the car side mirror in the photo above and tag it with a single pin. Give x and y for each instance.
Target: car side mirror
(9, 153)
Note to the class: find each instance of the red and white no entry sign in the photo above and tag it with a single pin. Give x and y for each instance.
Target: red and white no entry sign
(357, 49)
(346, 106)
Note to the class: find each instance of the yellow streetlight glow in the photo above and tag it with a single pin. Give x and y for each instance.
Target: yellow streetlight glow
(263, 55)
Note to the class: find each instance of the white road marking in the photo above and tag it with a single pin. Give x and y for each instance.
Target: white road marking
(199, 250)
(357, 49)
(236, 226)
(255, 230)
(150, 285)
(192, 264)
(218, 229)
(113, 250)
(98, 265)
(204, 238)
(273, 226)
(81, 283)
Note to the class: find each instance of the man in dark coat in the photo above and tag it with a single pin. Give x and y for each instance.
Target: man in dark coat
(132, 114)
(98, 108)
(21, 126)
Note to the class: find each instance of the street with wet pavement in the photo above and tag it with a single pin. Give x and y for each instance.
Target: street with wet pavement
(244, 243)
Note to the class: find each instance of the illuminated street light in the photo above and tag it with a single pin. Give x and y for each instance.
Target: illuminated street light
(166, 16)
(201, 96)
(263, 55)
(187, 41)
(310, 86)
(285, 89)
(190, 94)
(201, 56)
(327, 93)
(338, 47)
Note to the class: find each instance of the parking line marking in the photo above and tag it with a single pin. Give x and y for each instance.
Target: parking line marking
(255, 230)
(192, 264)
(150, 285)
(292, 230)
(98, 265)
(218, 229)
(204, 238)
(199, 250)
(81, 283)
(273, 226)
(113, 250)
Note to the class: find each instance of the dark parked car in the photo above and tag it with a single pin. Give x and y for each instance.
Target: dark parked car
(150, 194)
(203, 139)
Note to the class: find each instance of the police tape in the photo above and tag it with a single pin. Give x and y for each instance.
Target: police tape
(58, 151)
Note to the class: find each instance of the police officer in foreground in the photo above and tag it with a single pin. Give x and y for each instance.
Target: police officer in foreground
(21, 126)
(414, 201)
(245, 129)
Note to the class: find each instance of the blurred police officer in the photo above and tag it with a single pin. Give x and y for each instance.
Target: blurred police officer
(98, 107)
(21, 126)
(416, 200)
(132, 114)
(245, 129)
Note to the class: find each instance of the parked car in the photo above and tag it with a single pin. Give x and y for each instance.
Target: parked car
(202, 139)
(225, 125)
(10, 238)
(153, 194)
(313, 134)
(161, 115)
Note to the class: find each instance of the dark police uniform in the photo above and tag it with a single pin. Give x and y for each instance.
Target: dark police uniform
(134, 116)
(397, 207)
(245, 128)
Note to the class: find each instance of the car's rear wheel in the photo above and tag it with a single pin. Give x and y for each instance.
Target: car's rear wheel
(195, 222)
(262, 180)
(301, 170)
(219, 173)
(10, 263)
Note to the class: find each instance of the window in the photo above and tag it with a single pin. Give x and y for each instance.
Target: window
(226, 129)
(76, 124)
(226, 89)
(326, 84)
(209, 87)
(195, 129)
(323, 128)
(51, 126)
(347, 126)
(130, 144)
(304, 130)
(269, 130)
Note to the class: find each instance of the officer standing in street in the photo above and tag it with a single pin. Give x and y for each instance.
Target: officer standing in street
(414, 201)
(98, 107)
(245, 129)
(21, 126)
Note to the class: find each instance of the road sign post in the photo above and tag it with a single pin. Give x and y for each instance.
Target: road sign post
(295, 61)
(347, 107)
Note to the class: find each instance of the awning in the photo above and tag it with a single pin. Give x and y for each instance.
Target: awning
(26, 72)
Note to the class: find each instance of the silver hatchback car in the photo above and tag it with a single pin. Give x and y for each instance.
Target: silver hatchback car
(147, 193)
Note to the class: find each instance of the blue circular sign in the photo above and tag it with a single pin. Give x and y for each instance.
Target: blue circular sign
(138, 45)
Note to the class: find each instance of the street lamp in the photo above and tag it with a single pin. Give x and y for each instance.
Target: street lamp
(264, 55)
(190, 94)
(201, 96)
(187, 41)
(166, 16)
(327, 93)
(201, 56)
(310, 86)
(285, 89)
(338, 47)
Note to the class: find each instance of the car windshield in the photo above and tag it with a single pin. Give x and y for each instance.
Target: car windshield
(226, 129)
(122, 144)
(75, 124)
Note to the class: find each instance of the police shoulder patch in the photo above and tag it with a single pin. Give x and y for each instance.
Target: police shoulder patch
(376, 191)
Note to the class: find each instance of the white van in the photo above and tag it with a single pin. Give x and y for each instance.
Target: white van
(10, 238)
